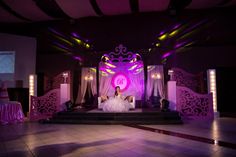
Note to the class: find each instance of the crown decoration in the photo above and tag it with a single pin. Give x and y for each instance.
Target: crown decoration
(121, 54)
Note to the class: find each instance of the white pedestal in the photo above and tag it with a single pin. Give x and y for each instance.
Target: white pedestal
(171, 94)
(64, 93)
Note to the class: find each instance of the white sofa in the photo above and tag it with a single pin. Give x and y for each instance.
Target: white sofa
(132, 103)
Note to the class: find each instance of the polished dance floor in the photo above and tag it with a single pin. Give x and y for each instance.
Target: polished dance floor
(191, 139)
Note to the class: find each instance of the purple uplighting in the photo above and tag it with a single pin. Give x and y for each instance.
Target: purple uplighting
(162, 32)
(180, 44)
(177, 26)
(196, 25)
(166, 54)
(56, 32)
(75, 35)
(77, 58)
(61, 46)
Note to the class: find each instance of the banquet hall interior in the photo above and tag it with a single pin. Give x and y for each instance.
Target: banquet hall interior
(61, 62)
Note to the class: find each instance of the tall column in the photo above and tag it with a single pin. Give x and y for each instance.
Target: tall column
(212, 88)
(32, 90)
(171, 94)
(64, 94)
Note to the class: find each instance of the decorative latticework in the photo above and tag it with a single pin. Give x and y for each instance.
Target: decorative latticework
(193, 105)
(45, 106)
(184, 79)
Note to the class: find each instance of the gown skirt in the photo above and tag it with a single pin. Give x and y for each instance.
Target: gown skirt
(115, 104)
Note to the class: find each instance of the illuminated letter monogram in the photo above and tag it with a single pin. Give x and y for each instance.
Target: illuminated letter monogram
(121, 80)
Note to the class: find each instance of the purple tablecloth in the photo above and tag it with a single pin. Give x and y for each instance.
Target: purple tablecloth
(11, 112)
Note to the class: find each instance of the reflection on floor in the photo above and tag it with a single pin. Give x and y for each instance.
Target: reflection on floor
(34, 139)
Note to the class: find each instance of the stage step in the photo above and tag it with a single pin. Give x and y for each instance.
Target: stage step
(157, 117)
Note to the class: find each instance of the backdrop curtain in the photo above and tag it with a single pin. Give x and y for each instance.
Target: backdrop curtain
(155, 85)
(135, 83)
(93, 73)
(104, 82)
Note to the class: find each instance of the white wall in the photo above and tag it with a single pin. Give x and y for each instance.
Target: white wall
(25, 56)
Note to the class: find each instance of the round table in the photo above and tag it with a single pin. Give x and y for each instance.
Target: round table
(11, 112)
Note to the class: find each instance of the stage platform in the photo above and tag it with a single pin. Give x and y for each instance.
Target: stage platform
(96, 116)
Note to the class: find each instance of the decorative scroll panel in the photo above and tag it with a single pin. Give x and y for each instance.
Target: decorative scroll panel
(45, 106)
(193, 105)
(194, 82)
(121, 68)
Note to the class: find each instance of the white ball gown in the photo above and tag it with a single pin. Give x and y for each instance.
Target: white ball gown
(116, 104)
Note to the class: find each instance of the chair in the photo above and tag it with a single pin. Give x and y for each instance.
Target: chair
(130, 98)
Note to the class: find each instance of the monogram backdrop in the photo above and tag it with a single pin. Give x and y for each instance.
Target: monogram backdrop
(129, 82)
(124, 69)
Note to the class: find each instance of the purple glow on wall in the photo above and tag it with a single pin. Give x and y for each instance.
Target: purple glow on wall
(75, 35)
(77, 58)
(166, 54)
(56, 32)
(162, 32)
(196, 25)
(121, 80)
(176, 26)
(178, 45)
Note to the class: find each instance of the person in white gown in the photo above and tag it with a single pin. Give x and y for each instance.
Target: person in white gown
(116, 103)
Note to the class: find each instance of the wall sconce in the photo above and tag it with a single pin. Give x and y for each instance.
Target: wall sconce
(65, 76)
(88, 77)
(156, 76)
(171, 72)
(211, 75)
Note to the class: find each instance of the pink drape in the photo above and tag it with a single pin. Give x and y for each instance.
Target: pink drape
(87, 72)
(153, 83)
(94, 81)
(104, 82)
